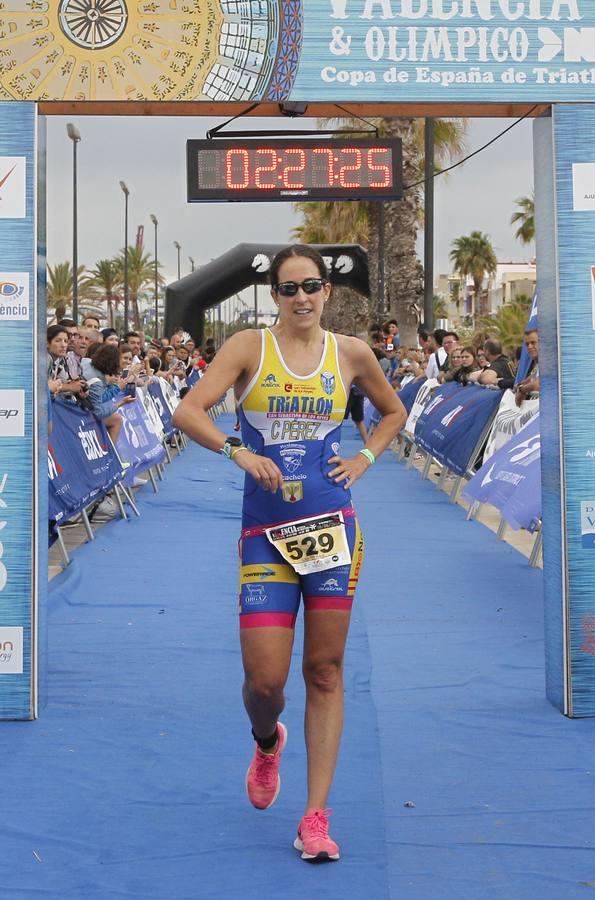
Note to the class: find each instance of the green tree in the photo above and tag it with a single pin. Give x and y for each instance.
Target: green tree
(524, 217)
(509, 323)
(474, 255)
(440, 308)
(102, 285)
(360, 221)
(59, 287)
(141, 274)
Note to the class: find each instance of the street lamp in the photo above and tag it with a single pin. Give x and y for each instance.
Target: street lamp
(155, 223)
(75, 137)
(178, 248)
(126, 193)
(191, 263)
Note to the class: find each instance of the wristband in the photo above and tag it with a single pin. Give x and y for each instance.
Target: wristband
(235, 450)
(369, 456)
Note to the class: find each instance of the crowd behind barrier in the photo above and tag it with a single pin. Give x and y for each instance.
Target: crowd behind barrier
(472, 411)
(110, 412)
(113, 402)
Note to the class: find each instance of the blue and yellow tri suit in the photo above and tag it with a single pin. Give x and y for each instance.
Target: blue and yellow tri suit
(295, 420)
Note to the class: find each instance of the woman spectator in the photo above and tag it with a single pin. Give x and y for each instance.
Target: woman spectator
(468, 364)
(102, 372)
(59, 379)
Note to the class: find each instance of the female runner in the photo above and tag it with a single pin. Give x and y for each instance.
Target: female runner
(300, 536)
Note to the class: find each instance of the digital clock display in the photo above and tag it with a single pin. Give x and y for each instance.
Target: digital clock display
(336, 169)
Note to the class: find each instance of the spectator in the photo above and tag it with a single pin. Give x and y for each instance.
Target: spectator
(392, 339)
(110, 336)
(381, 357)
(190, 346)
(425, 341)
(182, 354)
(101, 372)
(72, 331)
(438, 361)
(467, 367)
(454, 364)
(132, 338)
(499, 365)
(176, 338)
(355, 409)
(60, 380)
(92, 348)
(79, 342)
(91, 321)
(168, 354)
(94, 336)
(528, 388)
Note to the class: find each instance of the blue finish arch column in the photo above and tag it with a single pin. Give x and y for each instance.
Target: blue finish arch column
(564, 144)
(23, 410)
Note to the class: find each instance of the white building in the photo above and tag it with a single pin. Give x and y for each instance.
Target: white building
(510, 281)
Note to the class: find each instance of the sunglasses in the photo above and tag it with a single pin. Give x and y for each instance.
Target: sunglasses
(290, 288)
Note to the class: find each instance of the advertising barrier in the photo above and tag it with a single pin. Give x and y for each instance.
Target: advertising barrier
(511, 479)
(509, 420)
(137, 443)
(422, 396)
(82, 463)
(453, 422)
(409, 392)
(161, 395)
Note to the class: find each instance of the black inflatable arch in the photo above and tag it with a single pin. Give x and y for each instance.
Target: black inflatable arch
(243, 266)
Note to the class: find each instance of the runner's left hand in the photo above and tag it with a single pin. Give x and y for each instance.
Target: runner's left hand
(348, 470)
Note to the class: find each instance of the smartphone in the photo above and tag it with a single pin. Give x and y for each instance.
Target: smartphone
(390, 346)
(130, 389)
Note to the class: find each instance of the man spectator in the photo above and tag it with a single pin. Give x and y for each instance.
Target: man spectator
(74, 357)
(528, 388)
(91, 321)
(176, 338)
(438, 361)
(132, 338)
(500, 371)
(72, 330)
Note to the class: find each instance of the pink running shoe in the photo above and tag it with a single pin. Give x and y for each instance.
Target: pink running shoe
(313, 838)
(262, 778)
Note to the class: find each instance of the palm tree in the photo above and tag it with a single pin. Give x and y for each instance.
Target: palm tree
(509, 323)
(59, 287)
(525, 217)
(102, 283)
(141, 274)
(474, 255)
(403, 271)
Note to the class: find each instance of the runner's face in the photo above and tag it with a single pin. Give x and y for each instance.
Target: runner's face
(303, 310)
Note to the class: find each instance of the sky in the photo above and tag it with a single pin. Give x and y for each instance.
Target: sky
(148, 154)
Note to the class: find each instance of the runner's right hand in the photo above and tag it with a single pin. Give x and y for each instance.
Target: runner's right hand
(263, 470)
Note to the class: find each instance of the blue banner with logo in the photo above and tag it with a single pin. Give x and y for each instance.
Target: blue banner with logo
(82, 463)
(137, 442)
(453, 422)
(157, 392)
(525, 360)
(408, 393)
(511, 479)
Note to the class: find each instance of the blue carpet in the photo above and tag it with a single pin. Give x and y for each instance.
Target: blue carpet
(131, 785)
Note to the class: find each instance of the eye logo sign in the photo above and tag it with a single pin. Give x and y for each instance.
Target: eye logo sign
(12, 187)
(14, 296)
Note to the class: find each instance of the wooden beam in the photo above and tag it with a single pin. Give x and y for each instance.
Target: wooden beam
(316, 110)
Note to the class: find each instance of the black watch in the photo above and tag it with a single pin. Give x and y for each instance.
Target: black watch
(230, 444)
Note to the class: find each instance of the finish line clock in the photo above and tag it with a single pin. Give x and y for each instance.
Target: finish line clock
(335, 169)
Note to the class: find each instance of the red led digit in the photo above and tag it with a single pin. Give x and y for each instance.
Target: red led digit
(379, 167)
(355, 166)
(299, 167)
(330, 158)
(264, 185)
(243, 154)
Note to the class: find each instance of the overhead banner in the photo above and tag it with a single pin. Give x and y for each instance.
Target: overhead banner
(82, 463)
(511, 479)
(453, 422)
(338, 50)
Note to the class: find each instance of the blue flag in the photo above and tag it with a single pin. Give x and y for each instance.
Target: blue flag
(453, 422)
(525, 360)
(511, 479)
